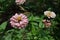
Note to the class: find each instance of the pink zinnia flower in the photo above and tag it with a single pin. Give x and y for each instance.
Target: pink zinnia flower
(19, 2)
(19, 21)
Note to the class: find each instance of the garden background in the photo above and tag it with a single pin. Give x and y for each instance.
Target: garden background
(35, 29)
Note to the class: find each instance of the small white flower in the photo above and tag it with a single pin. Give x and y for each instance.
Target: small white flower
(50, 14)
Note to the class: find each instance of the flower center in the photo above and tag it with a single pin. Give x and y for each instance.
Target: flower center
(19, 18)
(49, 14)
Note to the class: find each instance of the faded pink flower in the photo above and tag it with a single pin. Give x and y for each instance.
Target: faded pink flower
(19, 2)
(19, 21)
(47, 23)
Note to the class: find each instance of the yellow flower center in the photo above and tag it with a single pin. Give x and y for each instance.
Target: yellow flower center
(49, 14)
(19, 18)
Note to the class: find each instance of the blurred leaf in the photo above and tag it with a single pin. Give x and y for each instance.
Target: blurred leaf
(33, 29)
(34, 18)
(3, 25)
(1, 11)
(8, 37)
(2, 1)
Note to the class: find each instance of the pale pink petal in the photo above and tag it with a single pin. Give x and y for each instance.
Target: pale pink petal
(22, 1)
(17, 24)
(21, 22)
(23, 16)
(47, 24)
(18, 2)
(25, 21)
(22, 26)
(12, 23)
(12, 19)
(16, 15)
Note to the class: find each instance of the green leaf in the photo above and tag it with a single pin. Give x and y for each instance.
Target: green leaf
(2, 0)
(37, 19)
(8, 37)
(3, 25)
(34, 23)
(1, 11)
(34, 31)
(34, 18)
(41, 25)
